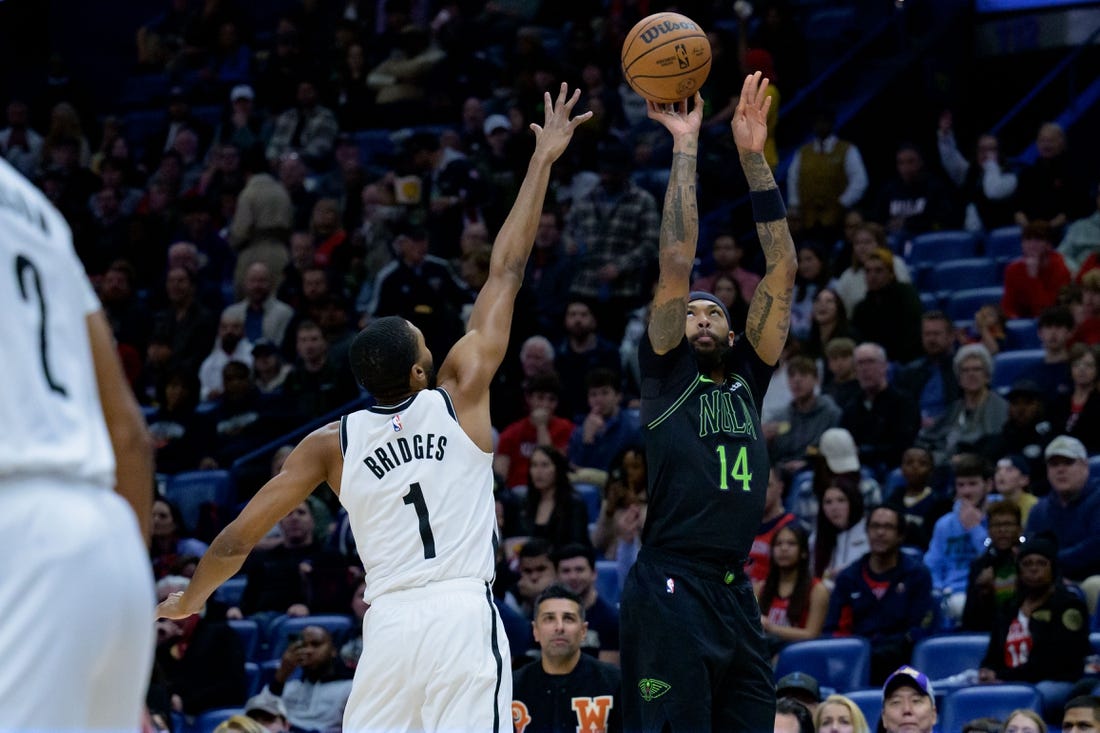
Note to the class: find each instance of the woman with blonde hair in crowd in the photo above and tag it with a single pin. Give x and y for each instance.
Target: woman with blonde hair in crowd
(240, 724)
(838, 714)
(1024, 720)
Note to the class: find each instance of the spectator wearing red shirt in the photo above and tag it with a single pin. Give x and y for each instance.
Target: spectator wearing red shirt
(1032, 281)
(775, 518)
(540, 427)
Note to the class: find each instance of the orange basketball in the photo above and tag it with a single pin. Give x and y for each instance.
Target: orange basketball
(666, 57)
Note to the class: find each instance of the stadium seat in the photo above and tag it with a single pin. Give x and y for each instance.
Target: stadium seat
(945, 655)
(842, 664)
(607, 581)
(995, 701)
(1094, 637)
(963, 304)
(591, 495)
(964, 274)
(252, 678)
(869, 702)
(374, 145)
(1094, 478)
(282, 628)
(929, 302)
(229, 593)
(248, 631)
(191, 489)
(1009, 365)
(1003, 244)
(936, 247)
(1022, 333)
(211, 719)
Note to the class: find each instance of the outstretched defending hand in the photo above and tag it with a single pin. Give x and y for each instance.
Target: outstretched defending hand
(676, 117)
(750, 119)
(553, 136)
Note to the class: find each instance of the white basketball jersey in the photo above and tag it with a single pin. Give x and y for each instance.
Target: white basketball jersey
(50, 416)
(419, 495)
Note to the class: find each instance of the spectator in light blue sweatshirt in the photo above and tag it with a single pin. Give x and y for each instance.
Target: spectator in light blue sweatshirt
(960, 535)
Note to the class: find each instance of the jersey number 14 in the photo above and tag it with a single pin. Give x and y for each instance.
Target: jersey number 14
(739, 472)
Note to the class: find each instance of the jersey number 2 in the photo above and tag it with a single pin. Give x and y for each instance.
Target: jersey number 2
(416, 498)
(23, 266)
(739, 472)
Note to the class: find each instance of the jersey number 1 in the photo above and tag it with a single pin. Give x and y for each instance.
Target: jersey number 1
(416, 498)
(739, 472)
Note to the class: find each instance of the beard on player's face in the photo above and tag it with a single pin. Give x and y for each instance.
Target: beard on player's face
(709, 355)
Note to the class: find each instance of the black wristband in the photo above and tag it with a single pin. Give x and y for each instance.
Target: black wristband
(767, 205)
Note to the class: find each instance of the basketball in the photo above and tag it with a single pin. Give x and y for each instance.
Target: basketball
(666, 57)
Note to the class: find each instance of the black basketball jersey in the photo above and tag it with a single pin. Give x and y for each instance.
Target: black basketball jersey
(705, 452)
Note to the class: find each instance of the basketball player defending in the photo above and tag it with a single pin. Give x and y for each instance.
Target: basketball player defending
(76, 478)
(415, 474)
(693, 652)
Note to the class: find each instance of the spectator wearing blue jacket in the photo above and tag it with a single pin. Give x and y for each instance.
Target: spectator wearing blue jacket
(959, 536)
(885, 597)
(607, 430)
(1071, 512)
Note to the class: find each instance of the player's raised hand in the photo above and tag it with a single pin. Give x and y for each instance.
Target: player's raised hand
(553, 136)
(750, 119)
(677, 118)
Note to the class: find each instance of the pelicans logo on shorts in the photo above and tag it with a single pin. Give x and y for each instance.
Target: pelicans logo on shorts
(650, 689)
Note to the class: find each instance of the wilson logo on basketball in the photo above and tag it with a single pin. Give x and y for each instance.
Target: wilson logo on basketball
(649, 35)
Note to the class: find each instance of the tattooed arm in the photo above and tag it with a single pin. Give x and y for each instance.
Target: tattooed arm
(769, 316)
(679, 225)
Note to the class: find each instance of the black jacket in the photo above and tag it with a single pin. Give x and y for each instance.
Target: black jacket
(1060, 640)
(588, 698)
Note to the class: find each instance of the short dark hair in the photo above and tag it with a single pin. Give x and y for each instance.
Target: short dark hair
(557, 590)
(801, 713)
(890, 506)
(1092, 702)
(1038, 230)
(937, 315)
(1007, 508)
(535, 547)
(382, 355)
(602, 377)
(971, 464)
(1057, 315)
(802, 365)
(575, 549)
(545, 383)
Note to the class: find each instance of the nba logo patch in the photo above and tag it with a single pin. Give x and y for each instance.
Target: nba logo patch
(396, 422)
(670, 586)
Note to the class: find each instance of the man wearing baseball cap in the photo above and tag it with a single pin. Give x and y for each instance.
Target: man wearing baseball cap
(269, 711)
(908, 702)
(801, 687)
(1071, 512)
(1042, 635)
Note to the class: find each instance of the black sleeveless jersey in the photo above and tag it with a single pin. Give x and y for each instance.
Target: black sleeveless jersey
(705, 452)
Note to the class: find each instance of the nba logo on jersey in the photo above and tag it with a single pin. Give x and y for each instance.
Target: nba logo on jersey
(670, 585)
(396, 422)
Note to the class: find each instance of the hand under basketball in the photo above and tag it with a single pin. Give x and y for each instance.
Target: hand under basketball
(750, 119)
(676, 117)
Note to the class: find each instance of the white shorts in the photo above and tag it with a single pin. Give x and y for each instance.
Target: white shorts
(434, 659)
(76, 610)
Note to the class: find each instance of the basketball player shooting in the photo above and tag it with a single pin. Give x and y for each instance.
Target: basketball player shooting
(415, 475)
(693, 651)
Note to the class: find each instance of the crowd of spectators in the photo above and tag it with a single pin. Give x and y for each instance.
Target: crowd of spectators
(352, 160)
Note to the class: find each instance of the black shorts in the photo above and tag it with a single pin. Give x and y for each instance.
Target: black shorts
(693, 653)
